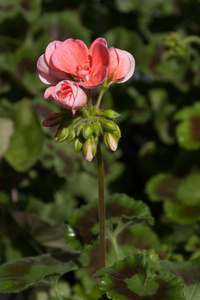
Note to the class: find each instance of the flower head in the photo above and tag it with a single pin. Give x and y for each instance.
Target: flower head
(72, 60)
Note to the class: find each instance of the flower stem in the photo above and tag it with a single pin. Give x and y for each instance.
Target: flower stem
(102, 209)
(90, 100)
(100, 97)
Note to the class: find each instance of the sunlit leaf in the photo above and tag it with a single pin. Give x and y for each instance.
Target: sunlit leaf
(133, 278)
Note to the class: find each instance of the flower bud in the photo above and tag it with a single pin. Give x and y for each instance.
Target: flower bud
(78, 145)
(87, 131)
(110, 114)
(62, 134)
(71, 136)
(107, 124)
(111, 141)
(89, 149)
(52, 120)
(117, 132)
(79, 128)
(96, 129)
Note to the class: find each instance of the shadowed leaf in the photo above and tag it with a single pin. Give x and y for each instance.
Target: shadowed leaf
(18, 275)
(83, 226)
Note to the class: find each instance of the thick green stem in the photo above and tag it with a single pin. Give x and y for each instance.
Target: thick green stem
(102, 210)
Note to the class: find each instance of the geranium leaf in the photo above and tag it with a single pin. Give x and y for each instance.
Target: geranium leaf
(133, 278)
(26, 141)
(83, 226)
(188, 130)
(17, 275)
(189, 272)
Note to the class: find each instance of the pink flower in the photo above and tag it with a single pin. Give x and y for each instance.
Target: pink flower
(67, 94)
(122, 63)
(72, 60)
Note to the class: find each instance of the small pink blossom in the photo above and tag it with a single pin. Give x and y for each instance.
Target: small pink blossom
(67, 94)
(122, 63)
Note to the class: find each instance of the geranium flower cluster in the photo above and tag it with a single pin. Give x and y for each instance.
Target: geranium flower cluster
(68, 68)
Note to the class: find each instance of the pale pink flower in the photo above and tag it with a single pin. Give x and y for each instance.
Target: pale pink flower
(122, 63)
(72, 60)
(67, 94)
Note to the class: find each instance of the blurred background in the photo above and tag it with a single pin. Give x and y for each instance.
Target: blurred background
(158, 159)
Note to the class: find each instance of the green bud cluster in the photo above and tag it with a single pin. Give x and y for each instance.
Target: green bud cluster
(85, 131)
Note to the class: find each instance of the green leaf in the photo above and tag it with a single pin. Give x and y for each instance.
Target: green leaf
(18, 275)
(163, 186)
(188, 130)
(6, 131)
(83, 225)
(189, 190)
(162, 112)
(182, 214)
(27, 139)
(189, 272)
(133, 278)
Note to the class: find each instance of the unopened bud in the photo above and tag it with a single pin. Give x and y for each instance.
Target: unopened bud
(117, 132)
(79, 128)
(89, 149)
(71, 136)
(62, 134)
(96, 129)
(87, 131)
(111, 141)
(110, 114)
(107, 124)
(52, 120)
(78, 145)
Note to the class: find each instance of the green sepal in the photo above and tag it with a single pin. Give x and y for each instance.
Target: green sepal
(79, 129)
(87, 131)
(117, 132)
(62, 134)
(71, 136)
(110, 114)
(108, 124)
(78, 145)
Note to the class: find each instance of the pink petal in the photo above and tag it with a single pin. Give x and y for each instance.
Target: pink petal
(50, 49)
(99, 40)
(48, 92)
(114, 60)
(126, 66)
(100, 62)
(69, 55)
(48, 75)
